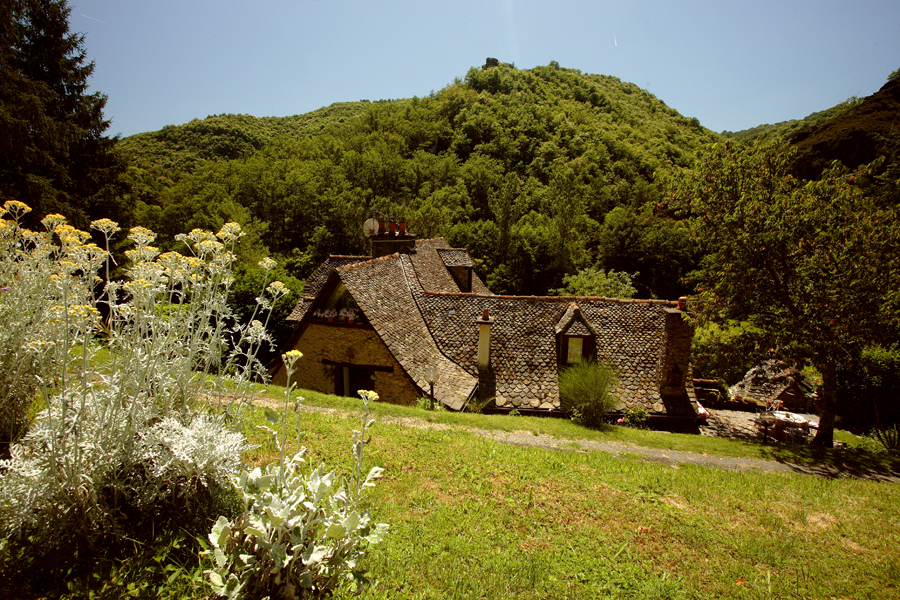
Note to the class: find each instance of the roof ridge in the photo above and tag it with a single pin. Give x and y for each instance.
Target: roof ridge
(366, 262)
(559, 298)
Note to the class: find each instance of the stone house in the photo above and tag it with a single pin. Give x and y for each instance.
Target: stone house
(380, 322)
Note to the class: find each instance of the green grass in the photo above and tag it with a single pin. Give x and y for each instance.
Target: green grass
(474, 518)
(861, 452)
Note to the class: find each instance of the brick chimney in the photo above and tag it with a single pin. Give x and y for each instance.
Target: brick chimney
(392, 239)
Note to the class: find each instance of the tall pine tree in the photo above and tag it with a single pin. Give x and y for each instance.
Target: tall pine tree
(54, 155)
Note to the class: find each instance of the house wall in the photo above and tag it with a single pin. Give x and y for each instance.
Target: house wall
(351, 344)
(675, 370)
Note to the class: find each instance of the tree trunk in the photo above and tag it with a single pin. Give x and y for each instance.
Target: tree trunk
(825, 435)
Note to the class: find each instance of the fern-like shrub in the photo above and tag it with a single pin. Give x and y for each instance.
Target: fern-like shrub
(585, 391)
(889, 438)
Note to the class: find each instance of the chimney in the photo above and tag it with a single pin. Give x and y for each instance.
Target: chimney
(388, 235)
(484, 340)
(682, 303)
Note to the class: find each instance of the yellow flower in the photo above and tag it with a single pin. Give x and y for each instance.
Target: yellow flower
(51, 222)
(267, 263)
(368, 395)
(141, 236)
(69, 235)
(290, 357)
(142, 254)
(16, 208)
(230, 232)
(106, 226)
(137, 285)
(207, 246)
(200, 235)
(278, 289)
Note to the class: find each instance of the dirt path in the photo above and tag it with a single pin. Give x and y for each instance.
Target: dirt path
(832, 469)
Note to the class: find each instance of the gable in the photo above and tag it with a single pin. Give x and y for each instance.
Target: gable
(383, 288)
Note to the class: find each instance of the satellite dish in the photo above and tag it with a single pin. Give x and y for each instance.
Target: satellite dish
(370, 227)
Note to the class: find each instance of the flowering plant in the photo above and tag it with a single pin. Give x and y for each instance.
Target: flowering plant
(122, 378)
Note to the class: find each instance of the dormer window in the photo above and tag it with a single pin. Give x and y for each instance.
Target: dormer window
(575, 338)
(459, 264)
(576, 348)
(463, 278)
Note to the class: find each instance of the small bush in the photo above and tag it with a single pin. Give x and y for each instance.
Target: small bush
(889, 438)
(634, 416)
(300, 534)
(585, 391)
(128, 434)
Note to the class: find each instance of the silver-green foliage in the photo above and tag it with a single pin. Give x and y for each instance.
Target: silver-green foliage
(300, 534)
(585, 391)
(125, 428)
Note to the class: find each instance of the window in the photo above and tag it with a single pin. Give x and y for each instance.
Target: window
(575, 348)
(463, 278)
(348, 380)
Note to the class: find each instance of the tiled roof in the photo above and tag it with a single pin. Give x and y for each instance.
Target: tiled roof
(572, 322)
(631, 335)
(455, 257)
(432, 271)
(316, 281)
(382, 289)
(414, 305)
(429, 268)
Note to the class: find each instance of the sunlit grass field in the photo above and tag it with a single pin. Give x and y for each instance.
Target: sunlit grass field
(474, 518)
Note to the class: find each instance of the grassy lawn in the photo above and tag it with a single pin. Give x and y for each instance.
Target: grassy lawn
(859, 452)
(474, 518)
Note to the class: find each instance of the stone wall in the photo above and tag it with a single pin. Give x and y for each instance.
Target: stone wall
(326, 345)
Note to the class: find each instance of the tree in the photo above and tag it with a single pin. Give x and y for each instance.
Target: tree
(597, 282)
(814, 265)
(53, 154)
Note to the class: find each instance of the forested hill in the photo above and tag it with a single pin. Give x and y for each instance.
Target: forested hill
(867, 130)
(181, 148)
(538, 172)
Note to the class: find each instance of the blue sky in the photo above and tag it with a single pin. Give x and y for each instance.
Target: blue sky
(733, 65)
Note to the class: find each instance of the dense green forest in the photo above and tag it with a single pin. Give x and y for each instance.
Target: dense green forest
(537, 172)
(788, 129)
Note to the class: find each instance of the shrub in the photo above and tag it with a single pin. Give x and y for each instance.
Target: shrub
(634, 416)
(127, 435)
(585, 391)
(299, 535)
(37, 280)
(889, 438)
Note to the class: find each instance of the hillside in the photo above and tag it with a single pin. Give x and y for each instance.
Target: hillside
(180, 149)
(794, 127)
(538, 172)
(869, 129)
